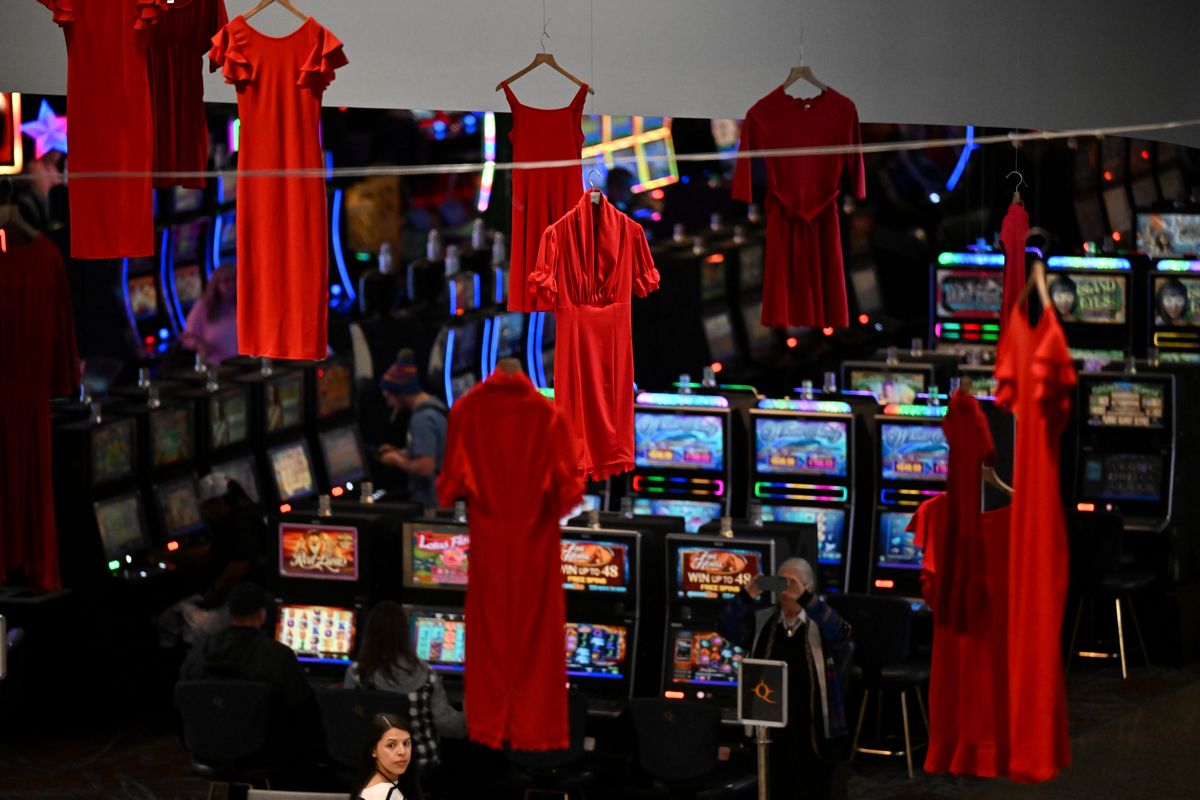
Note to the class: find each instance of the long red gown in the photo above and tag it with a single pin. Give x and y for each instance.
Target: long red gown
(38, 350)
(108, 105)
(540, 196)
(177, 47)
(282, 227)
(589, 265)
(1013, 232)
(804, 283)
(509, 453)
(1035, 379)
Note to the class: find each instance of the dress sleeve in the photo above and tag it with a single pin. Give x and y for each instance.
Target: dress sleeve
(325, 58)
(854, 161)
(566, 478)
(65, 377)
(64, 10)
(645, 274)
(1006, 376)
(542, 281)
(1053, 374)
(919, 526)
(147, 14)
(454, 482)
(217, 19)
(228, 52)
(749, 140)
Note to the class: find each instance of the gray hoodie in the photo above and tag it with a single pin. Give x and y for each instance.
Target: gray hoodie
(449, 721)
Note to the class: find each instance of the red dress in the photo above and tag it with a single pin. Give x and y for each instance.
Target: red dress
(508, 452)
(108, 104)
(1013, 232)
(1035, 379)
(177, 47)
(282, 228)
(589, 265)
(803, 282)
(37, 348)
(968, 695)
(540, 196)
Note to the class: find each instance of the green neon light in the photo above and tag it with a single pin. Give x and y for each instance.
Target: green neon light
(971, 259)
(1176, 265)
(114, 565)
(1088, 262)
(991, 337)
(991, 326)
(362, 256)
(547, 392)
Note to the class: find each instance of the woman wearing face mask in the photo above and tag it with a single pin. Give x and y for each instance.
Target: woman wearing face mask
(385, 772)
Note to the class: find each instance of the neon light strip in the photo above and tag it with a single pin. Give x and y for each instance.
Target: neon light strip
(963, 158)
(495, 345)
(485, 355)
(548, 393)
(339, 258)
(971, 259)
(498, 284)
(1175, 265)
(167, 281)
(682, 400)
(478, 291)
(446, 366)
(529, 359)
(18, 145)
(179, 315)
(736, 387)
(910, 410)
(1088, 262)
(639, 484)
(541, 361)
(453, 297)
(836, 494)
(821, 406)
(888, 496)
(128, 304)
(488, 178)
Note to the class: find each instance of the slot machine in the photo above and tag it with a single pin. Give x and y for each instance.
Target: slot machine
(899, 383)
(187, 271)
(504, 336)
(1126, 458)
(681, 457)
(224, 236)
(435, 560)
(146, 309)
(1174, 300)
(966, 292)
(336, 437)
(280, 409)
(1091, 296)
(802, 470)
(913, 460)
(455, 362)
(703, 575)
(541, 333)
(225, 431)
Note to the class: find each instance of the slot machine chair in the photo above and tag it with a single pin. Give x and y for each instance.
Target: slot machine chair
(1097, 572)
(882, 632)
(225, 729)
(560, 773)
(345, 714)
(677, 742)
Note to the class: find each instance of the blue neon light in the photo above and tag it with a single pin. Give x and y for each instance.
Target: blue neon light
(412, 291)
(128, 303)
(478, 290)
(682, 400)
(453, 297)
(167, 281)
(446, 367)
(485, 356)
(1089, 263)
(963, 158)
(541, 362)
(495, 344)
(498, 284)
(339, 257)
(820, 406)
(529, 340)
(216, 247)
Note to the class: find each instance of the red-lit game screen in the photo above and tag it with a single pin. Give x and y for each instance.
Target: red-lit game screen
(435, 557)
(325, 552)
(595, 566)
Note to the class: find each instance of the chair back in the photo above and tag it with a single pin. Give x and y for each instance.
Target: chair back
(882, 628)
(577, 711)
(345, 714)
(1095, 542)
(224, 721)
(677, 739)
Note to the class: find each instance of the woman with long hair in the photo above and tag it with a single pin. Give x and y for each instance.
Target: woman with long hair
(211, 328)
(387, 662)
(387, 757)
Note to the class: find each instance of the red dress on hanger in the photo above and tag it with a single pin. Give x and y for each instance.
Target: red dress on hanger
(108, 105)
(1035, 379)
(176, 62)
(589, 265)
(540, 196)
(1013, 233)
(509, 453)
(282, 227)
(804, 283)
(37, 348)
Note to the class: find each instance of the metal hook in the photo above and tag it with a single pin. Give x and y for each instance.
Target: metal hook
(1020, 179)
(591, 172)
(545, 34)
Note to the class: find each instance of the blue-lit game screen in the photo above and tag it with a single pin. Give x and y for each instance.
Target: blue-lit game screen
(913, 452)
(679, 441)
(596, 651)
(694, 512)
(830, 522)
(896, 548)
(796, 446)
(510, 335)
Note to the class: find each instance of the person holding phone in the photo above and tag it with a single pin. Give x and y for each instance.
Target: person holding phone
(816, 643)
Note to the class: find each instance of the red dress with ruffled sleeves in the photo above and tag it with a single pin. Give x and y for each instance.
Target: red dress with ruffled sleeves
(589, 265)
(108, 105)
(282, 228)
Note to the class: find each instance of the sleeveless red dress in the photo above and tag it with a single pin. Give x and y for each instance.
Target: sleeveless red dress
(540, 196)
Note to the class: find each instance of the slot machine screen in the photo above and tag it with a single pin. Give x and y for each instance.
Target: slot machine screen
(1123, 476)
(596, 651)
(343, 455)
(143, 296)
(243, 471)
(188, 284)
(462, 293)
(712, 278)
(323, 552)
(1126, 404)
(283, 405)
(122, 525)
(967, 294)
(1176, 302)
(830, 522)
(1168, 234)
(187, 239)
(187, 199)
(695, 513)
(704, 572)
(317, 634)
(913, 452)
(595, 565)
(1089, 298)
(170, 436)
(718, 330)
(760, 336)
(588, 503)
(797, 446)
(896, 547)
(292, 467)
(179, 507)
(703, 658)
(466, 348)
(112, 451)
(439, 639)
(334, 381)
(510, 335)
(888, 386)
(664, 440)
(436, 556)
(228, 419)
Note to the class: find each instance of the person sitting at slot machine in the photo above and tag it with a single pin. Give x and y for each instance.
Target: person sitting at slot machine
(386, 662)
(211, 328)
(816, 643)
(421, 459)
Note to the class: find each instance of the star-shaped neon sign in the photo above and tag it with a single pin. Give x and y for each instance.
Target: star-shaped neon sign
(48, 131)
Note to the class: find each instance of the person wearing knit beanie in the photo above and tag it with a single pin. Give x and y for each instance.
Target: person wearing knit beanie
(421, 458)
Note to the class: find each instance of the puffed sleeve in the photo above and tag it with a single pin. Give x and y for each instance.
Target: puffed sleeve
(1054, 375)
(64, 10)
(147, 14)
(742, 188)
(228, 52)
(645, 274)
(454, 482)
(542, 282)
(217, 19)
(324, 59)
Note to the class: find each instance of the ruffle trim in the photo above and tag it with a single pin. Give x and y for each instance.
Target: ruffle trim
(147, 14)
(603, 472)
(64, 10)
(324, 60)
(646, 282)
(228, 53)
(544, 288)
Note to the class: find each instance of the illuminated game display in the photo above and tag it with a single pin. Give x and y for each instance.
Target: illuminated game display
(913, 452)
(968, 294)
(113, 451)
(508, 335)
(1126, 404)
(318, 634)
(1090, 295)
(439, 638)
(1089, 298)
(1167, 233)
(1123, 476)
(325, 552)
(715, 573)
(890, 386)
(170, 436)
(679, 441)
(703, 658)
(122, 525)
(334, 381)
(797, 446)
(284, 402)
(179, 507)
(595, 565)
(1175, 310)
(292, 468)
(228, 419)
(343, 454)
(243, 471)
(436, 557)
(596, 651)
(896, 548)
(645, 141)
(189, 285)
(830, 522)
(694, 512)
(966, 301)
(143, 296)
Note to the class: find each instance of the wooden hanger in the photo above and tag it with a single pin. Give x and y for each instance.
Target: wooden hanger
(803, 71)
(543, 58)
(509, 366)
(992, 478)
(285, 3)
(1037, 279)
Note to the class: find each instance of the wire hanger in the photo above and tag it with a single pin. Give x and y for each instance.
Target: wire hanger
(285, 3)
(544, 58)
(592, 187)
(802, 70)
(1020, 178)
